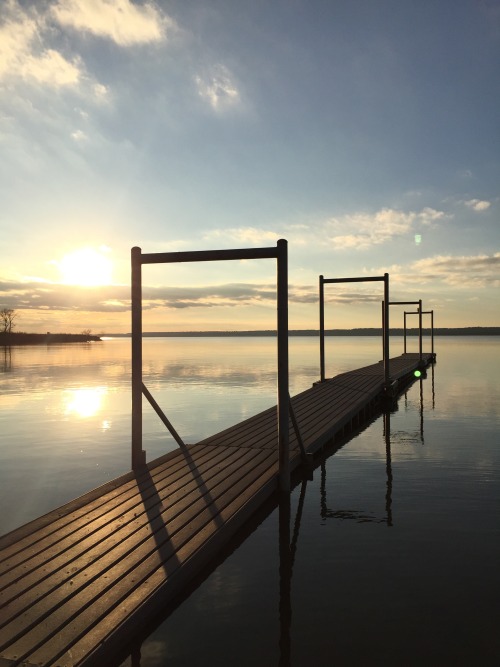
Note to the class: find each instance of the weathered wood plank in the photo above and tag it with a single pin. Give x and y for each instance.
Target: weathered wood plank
(53, 566)
(85, 523)
(162, 556)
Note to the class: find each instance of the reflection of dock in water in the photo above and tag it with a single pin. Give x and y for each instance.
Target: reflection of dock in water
(79, 582)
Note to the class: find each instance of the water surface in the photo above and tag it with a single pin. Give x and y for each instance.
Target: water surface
(395, 540)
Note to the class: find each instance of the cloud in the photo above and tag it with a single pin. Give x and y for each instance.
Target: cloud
(44, 296)
(217, 87)
(23, 53)
(464, 272)
(358, 231)
(471, 271)
(27, 45)
(478, 205)
(79, 136)
(361, 231)
(116, 298)
(122, 21)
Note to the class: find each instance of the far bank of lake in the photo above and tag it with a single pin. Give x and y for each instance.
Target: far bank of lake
(20, 338)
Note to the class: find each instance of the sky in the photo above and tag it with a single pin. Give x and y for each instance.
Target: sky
(365, 133)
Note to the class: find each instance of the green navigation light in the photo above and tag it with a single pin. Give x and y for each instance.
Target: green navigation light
(417, 374)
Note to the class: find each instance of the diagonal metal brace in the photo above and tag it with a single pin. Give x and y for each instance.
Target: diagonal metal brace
(303, 454)
(162, 416)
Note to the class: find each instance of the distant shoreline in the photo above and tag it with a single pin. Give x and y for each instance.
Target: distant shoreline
(442, 331)
(19, 338)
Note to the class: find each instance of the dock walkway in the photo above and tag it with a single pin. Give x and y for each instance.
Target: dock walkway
(77, 583)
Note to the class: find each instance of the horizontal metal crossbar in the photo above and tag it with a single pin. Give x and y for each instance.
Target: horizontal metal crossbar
(416, 312)
(208, 255)
(400, 303)
(366, 279)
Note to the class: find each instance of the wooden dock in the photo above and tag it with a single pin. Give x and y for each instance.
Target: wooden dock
(79, 582)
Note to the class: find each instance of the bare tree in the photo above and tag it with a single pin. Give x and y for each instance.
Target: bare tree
(7, 317)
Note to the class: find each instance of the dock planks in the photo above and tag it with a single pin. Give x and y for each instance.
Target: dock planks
(77, 582)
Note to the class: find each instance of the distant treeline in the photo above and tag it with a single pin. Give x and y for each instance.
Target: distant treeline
(20, 338)
(442, 331)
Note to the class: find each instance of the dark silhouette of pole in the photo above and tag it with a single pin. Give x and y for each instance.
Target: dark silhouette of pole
(283, 395)
(322, 328)
(432, 332)
(385, 329)
(420, 331)
(138, 455)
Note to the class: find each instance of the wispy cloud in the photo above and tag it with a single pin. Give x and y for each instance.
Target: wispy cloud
(460, 271)
(24, 53)
(354, 232)
(28, 44)
(43, 296)
(218, 88)
(121, 21)
(478, 204)
(361, 231)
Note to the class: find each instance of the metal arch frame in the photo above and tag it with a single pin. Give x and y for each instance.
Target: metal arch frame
(280, 253)
(419, 311)
(385, 318)
(416, 312)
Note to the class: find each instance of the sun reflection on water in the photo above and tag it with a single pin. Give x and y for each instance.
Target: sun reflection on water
(84, 402)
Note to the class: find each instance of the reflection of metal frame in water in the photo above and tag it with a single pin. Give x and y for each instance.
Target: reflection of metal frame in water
(355, 515)
(7, 359)
(421, 402)
(388, 467)
(361, 517)
(285, 577)
(287, 551)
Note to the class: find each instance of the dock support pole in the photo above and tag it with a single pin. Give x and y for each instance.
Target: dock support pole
(322, 328)
(404, 340)
(283, 395)
(385, 329)
(420, 331)
(432, 333)
(138, 455)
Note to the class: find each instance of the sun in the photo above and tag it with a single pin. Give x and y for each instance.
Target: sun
(86, 267)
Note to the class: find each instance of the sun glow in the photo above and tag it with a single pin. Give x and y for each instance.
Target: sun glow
(86, 267)
(85, 402)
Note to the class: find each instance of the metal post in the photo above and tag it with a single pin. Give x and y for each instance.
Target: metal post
(322, 328)
(432, 333)
(420, 330)
(138, 455)
(404, 339)
(386, 329)
(283, 396)
(383, 331)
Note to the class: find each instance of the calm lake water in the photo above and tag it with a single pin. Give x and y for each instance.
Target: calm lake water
(395, 539)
